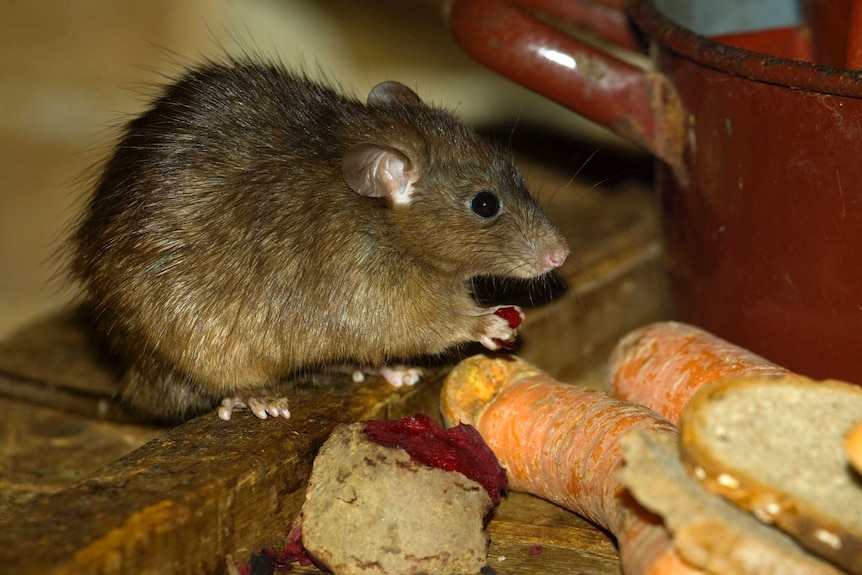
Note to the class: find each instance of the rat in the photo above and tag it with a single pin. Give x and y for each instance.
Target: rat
(253, 222)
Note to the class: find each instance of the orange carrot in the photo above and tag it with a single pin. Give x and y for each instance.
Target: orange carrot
(662, 365)
(561, 442)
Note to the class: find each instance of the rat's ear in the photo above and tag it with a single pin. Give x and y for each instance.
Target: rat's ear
(393, 93)
(379, 172)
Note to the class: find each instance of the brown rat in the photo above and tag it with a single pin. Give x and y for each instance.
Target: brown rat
(252, 223)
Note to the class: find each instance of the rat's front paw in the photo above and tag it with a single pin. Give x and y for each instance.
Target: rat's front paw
(262, 406)
(500, 326)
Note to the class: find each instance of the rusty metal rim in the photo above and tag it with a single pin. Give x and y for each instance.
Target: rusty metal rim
(753, 65)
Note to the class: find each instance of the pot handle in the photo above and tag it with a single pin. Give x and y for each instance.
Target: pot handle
(641, 106)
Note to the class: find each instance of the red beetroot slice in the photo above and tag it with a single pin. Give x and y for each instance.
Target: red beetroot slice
(511, 315)
(293, 551)
(459, 449)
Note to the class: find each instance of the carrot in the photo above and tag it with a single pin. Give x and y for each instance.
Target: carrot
(561, 442)
(662, 365)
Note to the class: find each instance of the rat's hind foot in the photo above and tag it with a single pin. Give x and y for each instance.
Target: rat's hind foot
(397, 375)
(262, 407)
(400, 375)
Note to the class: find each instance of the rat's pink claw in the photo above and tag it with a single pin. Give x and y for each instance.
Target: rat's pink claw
(228, 404)
(400, 376)
(395, 375)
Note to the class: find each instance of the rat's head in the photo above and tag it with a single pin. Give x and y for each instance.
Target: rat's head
(454, 199)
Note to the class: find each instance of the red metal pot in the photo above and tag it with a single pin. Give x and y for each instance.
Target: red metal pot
(760, 177)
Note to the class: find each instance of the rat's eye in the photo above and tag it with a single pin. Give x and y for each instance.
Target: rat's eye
(485, 204)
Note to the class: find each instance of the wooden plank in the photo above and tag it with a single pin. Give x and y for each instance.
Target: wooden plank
(55, 362)
(45, 450)
(566, 542)
(201, 491)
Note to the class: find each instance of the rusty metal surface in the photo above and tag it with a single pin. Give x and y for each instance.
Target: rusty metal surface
(757, 66)
(827, 20)
(604, 18)
(640, 107)
(763, 244)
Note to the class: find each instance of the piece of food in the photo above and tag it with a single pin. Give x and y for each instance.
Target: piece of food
(853, 447)
(708, 531)
(662, 365)
(511, 314)
(375, 508)
(561, 442)
(514, 316)
(459, 448)
(774, 445)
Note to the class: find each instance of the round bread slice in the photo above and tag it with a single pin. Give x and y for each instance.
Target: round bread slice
(774, 446)
(709, 532)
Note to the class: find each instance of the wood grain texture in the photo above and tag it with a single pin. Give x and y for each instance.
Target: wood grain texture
(186, 499)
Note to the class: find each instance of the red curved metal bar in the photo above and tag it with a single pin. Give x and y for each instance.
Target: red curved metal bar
(641, 107)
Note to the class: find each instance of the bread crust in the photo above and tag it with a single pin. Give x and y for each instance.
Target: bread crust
(708, 531)
(774, 446)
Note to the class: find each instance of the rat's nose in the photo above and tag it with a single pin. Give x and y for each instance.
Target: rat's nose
(556, 255)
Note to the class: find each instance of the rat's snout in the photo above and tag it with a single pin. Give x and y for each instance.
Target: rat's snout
(555, 255)
(543, 256)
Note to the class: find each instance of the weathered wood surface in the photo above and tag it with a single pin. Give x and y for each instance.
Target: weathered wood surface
(530, 535)
(54, 362)
(44, 450)
(197, 493)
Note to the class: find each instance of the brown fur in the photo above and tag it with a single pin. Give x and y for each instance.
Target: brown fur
(222, 249)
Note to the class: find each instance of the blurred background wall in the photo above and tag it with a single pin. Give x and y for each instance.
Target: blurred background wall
(71, 71)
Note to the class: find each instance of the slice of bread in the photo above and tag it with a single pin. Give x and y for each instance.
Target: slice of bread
(708, 531)
(774, 446)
